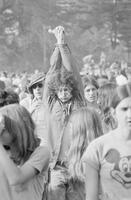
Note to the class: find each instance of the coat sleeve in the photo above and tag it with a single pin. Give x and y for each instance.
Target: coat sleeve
(55, 65)
(70, 65)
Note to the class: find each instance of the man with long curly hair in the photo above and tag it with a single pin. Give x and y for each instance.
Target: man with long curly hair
(63, 94)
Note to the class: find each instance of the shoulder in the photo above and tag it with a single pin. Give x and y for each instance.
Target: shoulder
(40, 158)
(102, 140)
(26, 101)
(96, 148)
(42, 150)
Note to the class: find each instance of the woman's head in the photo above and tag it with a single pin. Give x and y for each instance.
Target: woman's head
(85, 122)
(19, 125)
(121, 92)
(85, 126)
(121, 107)
(90, 88)
(11, 97)
(105, 94)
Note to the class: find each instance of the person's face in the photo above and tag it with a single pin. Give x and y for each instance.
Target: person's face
(123, 114)
(64, 93)
(6, 140)
(90, 93)
(115, 71)
(37, 90)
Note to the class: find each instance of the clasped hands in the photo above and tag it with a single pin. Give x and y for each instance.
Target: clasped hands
(59, 33)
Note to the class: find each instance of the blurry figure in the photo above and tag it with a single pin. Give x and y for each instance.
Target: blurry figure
(102, 80)
(88, 67)
(23, 160)
(121, 80)
(2, 85)
(33, 102)
(2, 93)
(16, 89)
(63, 95)
(107, 159)
(11, 97)
(110, 75)
(91, 91)
(128, 72)
(5, 78)
(105, 96)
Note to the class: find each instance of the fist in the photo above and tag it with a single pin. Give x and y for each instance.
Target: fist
(59, 33)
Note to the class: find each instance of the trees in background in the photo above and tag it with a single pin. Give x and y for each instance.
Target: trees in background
(93, 26)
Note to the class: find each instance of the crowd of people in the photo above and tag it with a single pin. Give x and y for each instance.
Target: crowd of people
(65, 135)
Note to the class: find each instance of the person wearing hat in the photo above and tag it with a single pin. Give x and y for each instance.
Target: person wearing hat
(33, 102)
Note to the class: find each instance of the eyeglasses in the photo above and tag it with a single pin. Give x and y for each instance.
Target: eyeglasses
(40, 85)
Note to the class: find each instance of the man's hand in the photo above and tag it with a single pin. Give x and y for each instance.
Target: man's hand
(59, 33)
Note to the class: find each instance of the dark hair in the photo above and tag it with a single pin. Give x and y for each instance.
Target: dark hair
(3, 95)
(19, 124)
(11, 97)
(121, 93)
(64, 78)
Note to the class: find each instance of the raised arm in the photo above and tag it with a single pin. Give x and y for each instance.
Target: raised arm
(55, 66)
(68, 61)
(17, 176)
(70, 65)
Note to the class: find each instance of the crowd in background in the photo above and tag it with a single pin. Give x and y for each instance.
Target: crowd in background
(66, 134)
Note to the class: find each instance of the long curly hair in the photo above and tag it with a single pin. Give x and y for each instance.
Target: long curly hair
(20, 126)
(85, 127)
(63, 77)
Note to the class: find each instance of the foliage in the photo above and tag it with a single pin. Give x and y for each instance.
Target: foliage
(93, 26)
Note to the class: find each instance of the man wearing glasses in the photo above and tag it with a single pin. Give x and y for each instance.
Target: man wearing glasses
(33, 103)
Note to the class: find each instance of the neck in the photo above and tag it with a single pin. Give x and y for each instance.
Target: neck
(37, 98)
(65, 101)
(123, 133)
(94, 104)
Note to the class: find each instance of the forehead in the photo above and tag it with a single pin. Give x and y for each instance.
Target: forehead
(90, 87)
(125, 103)
(64, 87)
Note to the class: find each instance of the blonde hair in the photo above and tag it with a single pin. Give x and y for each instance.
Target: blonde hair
(85, 127)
